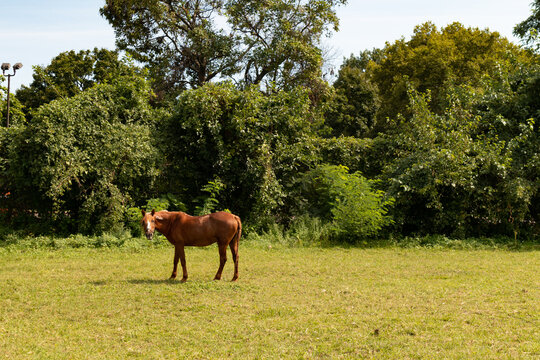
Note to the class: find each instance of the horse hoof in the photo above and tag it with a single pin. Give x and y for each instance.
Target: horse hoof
(183, 280)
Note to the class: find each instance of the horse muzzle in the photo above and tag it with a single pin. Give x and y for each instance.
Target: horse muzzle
(149, 235)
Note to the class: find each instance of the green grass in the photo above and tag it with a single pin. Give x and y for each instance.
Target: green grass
(288, 303)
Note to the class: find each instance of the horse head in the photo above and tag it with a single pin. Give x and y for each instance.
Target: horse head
(148, 223)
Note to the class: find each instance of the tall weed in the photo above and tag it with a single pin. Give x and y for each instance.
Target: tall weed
(304, 231)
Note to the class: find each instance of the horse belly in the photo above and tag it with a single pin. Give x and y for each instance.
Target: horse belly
(200, 238)
(200, 242)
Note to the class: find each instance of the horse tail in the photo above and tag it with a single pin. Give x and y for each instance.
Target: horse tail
(238, 234)
(234, 246)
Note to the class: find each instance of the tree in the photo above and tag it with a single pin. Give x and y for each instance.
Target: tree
(178, 40)
(510, 110)
(280, 38)
(529, 29)
(434, 60)
(255, 144)
(354, 109)
(472, 171)
(83, 159)
(70, 73)
(183, 45)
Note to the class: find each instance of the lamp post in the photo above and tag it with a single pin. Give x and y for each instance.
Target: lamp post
(5, 67)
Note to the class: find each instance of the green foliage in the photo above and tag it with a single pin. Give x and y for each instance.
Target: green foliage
(178, 40)
(433, 60)
(445, 123)
(304, 231)
(433, 169)
(117, 239)
(509, 110)
(529, 29)
(70, 73)
(185, 44)
(168, 202)
(7, 150)
(450, 176)
(349, 201)
(210, 201)
(255, 144)
(444, 242)
(455, 138)
(87, 157)
(355, 106)
(282, 38)
(132, 219)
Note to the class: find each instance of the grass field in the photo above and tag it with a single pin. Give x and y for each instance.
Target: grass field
(288, 303)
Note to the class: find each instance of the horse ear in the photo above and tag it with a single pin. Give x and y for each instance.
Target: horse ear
(153, 212)
(143, 212)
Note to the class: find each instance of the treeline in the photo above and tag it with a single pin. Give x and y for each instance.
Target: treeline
(437, 134)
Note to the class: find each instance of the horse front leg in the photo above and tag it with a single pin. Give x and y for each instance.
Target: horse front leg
(179, 254)
(222, 260)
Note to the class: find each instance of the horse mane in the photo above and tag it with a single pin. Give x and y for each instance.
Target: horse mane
(163, 215)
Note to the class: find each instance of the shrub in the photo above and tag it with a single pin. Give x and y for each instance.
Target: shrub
(303, 231)
(85, 158)
(348, 201)
(209, 203)
(254, 144)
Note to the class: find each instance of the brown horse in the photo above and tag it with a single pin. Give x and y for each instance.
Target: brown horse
(182, 230)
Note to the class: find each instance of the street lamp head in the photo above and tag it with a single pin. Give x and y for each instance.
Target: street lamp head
(5, 66)
(17, 66)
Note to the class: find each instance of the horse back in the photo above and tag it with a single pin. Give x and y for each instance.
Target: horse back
(207, 229)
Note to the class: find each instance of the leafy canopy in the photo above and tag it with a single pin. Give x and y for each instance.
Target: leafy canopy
(529, 29)
(434, 60)
(88, 156)
(188, 43)
(70, 73)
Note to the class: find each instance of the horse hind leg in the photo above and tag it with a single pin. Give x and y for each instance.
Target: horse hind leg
(234, 247)
(234, 250)
(222, 260)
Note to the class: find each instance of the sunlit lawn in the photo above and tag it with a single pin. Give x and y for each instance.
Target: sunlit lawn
(288, 303)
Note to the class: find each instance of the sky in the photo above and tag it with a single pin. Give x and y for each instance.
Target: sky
(33, 32)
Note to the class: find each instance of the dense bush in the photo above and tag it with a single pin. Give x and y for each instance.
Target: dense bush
(348, 201)
(455, 140)
(454, 174)
(82, 160)
(255, 145)
(14, 241)
(437, 135)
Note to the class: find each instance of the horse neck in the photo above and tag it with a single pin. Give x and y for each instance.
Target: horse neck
(163, 226)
